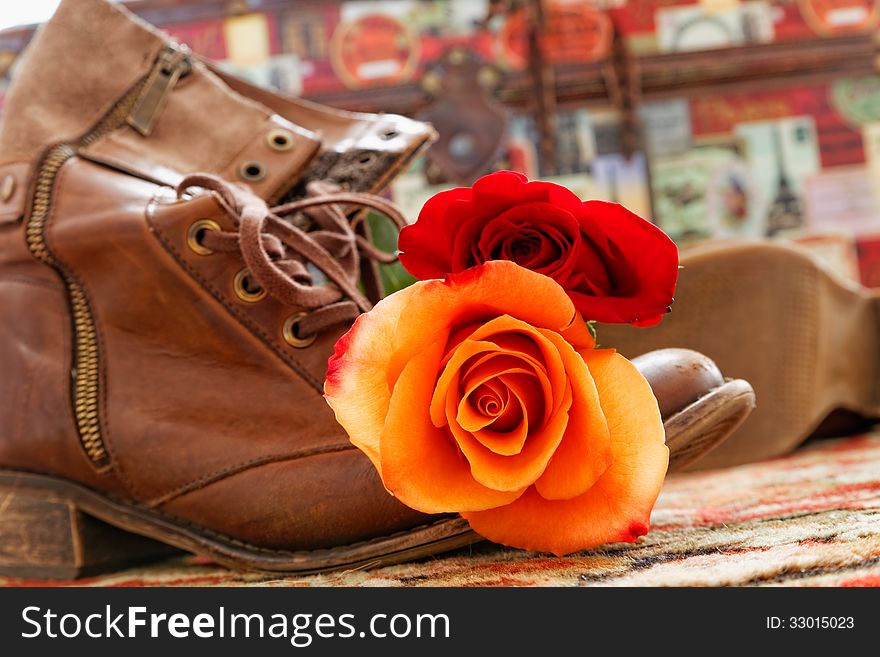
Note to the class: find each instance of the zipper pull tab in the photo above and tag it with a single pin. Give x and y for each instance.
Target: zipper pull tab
(173, 63)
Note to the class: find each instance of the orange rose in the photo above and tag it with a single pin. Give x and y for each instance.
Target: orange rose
(484, 395)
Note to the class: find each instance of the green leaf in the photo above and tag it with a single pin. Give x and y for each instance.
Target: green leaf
(591, 326)
(394, 276)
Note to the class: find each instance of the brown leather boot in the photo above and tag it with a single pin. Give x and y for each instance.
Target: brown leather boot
(155, 382)
(163, 342)
(172, 114)
(150, 381)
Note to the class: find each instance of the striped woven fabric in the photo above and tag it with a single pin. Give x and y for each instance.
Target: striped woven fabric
(812, 518)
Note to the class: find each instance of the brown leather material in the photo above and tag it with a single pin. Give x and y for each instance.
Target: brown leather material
(186, 139)
(215, 273)
(358, 150)
(74, 69)
(201, 126)
(202, 123)
(193, 397)
(37, 427)
(13, 190)
(221, 151)
(295, 504)
(678, 377)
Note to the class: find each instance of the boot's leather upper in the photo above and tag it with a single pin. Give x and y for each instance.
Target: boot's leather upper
(92, 55)
(140, 362)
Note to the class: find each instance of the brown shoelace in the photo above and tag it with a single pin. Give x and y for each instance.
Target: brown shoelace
(278, 252)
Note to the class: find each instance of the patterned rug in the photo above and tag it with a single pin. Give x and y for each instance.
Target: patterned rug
(810, 519)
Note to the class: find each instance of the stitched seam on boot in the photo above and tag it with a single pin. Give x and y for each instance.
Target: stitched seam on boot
(243, 466)
(32, 280)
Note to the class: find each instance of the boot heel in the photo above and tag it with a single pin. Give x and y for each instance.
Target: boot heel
(44, 536)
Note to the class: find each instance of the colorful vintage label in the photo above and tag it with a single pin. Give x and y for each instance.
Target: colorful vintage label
(857, 99)
(698, 27)
(781, 155)
(666, 127)
(839, 142)
(707, 191)
(576, 32)
(842, 199)
(835, 17)
(375, 49)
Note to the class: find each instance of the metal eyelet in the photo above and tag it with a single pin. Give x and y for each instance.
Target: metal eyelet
(390, 134)
(289, 332)
(366, 158)
(242, 291)
(279, 140)
(195, 232)
(252, 171)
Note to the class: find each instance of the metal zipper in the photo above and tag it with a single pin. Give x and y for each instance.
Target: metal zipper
(172, 64)
(86, 372)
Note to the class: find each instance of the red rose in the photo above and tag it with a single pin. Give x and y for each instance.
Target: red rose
(615, 266)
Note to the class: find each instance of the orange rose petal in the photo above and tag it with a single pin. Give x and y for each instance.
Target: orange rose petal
(515, 472)
(475, 295)
(471, 417)
(357, 387)
(503, 366)
(530, 390)
(509, 443)
(585, 451)
(512, 336)
(459, 335)
(489, 370)
(618, 506)
(509, 417)
(512, 415)
(509, 432)
(451, 373)
(490, 366)
(500, 394)
(506, 436)
(515, 336)
(421, 465)
(449, 384)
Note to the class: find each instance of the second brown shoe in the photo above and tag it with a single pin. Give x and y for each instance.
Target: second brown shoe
(770, 313)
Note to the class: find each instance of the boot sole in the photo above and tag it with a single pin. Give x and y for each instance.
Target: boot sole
(47, 530)
(805, 339)
(707, 423)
